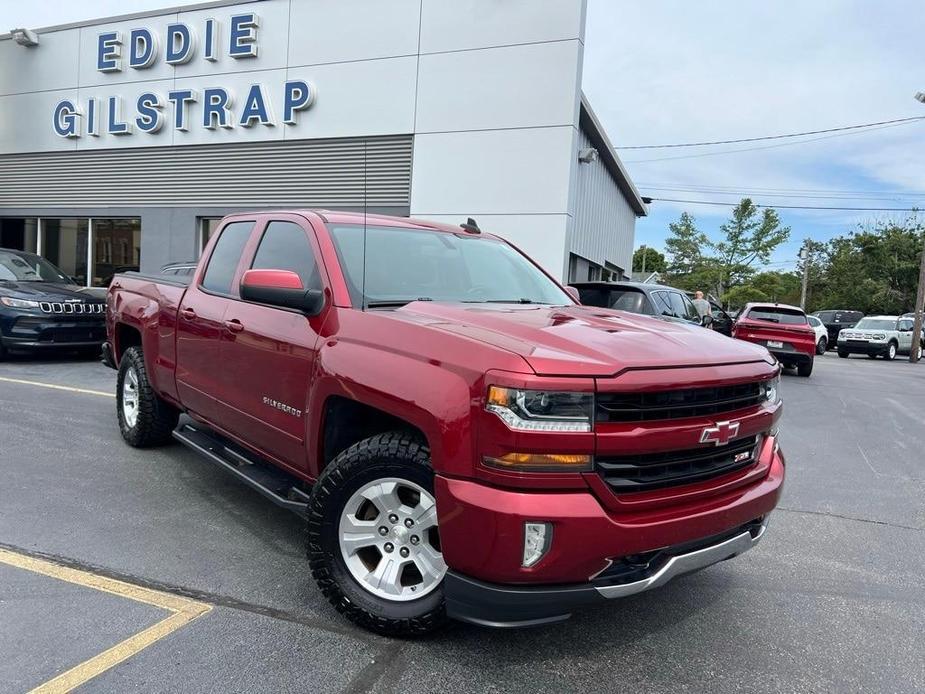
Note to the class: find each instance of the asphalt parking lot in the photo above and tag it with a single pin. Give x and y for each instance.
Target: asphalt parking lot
(832, 600)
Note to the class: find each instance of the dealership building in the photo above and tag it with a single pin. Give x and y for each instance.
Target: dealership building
(124, 140)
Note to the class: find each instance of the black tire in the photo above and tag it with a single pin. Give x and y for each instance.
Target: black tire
(843, 354)
(805, 369)
(156, 418)
(891, 350)
(393, 454)
(821, 345)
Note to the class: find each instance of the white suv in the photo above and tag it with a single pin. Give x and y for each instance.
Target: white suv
(875, 336)
(822, 334)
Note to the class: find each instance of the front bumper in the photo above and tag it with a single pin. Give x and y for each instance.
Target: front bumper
(41, 331)
(859, 347)
(486, 604)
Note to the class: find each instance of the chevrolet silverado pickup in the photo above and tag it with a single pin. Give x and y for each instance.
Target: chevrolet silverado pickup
(463, 439)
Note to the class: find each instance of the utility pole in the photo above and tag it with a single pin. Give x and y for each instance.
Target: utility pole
(804, 256)
(645, 252)
(914, 352)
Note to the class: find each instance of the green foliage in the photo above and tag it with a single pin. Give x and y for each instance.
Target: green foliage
(741, 295)
(655, 261)
(685, 246)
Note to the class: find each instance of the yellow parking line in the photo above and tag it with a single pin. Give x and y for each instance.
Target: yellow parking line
(84, 391)
(183, 611)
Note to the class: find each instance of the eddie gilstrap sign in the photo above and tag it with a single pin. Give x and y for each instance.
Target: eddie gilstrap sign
(214, 107)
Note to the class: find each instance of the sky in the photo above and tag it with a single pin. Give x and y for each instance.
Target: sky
(676, 71)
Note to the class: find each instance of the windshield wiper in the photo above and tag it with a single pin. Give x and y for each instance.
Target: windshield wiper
(395, 302)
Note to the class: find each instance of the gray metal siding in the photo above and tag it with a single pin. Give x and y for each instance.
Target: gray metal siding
(603, 224)
(338, 173)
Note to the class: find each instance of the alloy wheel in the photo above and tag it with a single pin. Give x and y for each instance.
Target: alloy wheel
(130, 404)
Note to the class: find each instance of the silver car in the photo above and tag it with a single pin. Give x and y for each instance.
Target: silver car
(875, 336)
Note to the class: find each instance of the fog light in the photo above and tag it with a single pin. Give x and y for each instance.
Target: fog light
(537, 539)
(532, 462)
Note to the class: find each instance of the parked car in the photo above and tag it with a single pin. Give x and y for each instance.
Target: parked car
(877, 336)
(648, 299)
(783, 329)
(464, 439)
(183, 269)
(835, 320)
(42, 309)
(822, 333)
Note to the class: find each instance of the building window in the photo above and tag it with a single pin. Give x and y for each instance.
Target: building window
(116, 248)
(19, 234)
(207, 228)
(64, 243)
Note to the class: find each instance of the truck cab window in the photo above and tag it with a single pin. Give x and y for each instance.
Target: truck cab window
(285, 246)
(225, 257)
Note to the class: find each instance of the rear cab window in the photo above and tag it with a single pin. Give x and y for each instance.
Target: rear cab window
(618, 298)
(223, 263)
(777, 314)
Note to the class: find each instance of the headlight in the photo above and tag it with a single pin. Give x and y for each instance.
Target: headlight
(18, 303)
(772, 389)
(541, 410)
(879, 336)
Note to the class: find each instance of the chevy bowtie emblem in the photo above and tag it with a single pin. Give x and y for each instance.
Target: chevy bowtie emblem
(721, 434)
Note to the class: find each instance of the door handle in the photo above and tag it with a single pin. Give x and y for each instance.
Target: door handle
(115, 285)
(234, 325)
(188, 314)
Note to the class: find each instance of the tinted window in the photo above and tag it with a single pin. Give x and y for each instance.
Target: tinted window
(848, 316)
(813, 321)
(826, 316)
(776, 314)
(662, 304)
(905, 325)
(225, 257)
(622, 299)
(683, 307)
(285, 246)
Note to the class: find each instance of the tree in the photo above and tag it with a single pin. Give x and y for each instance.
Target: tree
(684, 246)
(750, 237)
(655, 261)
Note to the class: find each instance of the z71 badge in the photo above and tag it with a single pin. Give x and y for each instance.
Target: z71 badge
(282, 407)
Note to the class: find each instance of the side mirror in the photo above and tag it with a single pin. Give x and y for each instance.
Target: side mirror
(572, 292)
(706, 321)
(281, 288)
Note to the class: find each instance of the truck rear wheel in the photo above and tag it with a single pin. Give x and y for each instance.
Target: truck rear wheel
(144, 418)
(373, 542)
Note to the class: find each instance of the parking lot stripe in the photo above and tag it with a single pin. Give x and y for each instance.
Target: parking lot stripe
(84, 391)
(183, 611)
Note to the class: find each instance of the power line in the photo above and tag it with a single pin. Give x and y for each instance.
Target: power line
(800, 195)
(792, 207)
(774, 137)
(783, 192)
(782, 144)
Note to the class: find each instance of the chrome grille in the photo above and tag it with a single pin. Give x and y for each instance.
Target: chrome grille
(72, 307)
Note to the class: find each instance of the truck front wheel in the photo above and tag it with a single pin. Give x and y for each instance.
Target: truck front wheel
(373, 542)
(144, 419)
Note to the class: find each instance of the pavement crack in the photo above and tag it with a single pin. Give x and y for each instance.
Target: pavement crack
(385, 662)
(851, 518)
(214, 599)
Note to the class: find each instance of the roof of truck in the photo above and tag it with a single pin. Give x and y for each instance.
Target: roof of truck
(339, 217)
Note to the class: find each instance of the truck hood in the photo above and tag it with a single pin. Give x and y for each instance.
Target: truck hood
(581, 340)
(47, 291)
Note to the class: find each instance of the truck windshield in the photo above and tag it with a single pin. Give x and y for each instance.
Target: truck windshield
(876, 324)
(397, 265)
(26, 267)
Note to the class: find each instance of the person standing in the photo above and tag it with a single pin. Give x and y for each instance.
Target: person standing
(702, 305)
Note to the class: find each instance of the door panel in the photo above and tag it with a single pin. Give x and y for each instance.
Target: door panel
(269, 352)
(201, 377)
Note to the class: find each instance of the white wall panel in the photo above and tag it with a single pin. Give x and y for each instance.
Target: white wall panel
(370, 97)
(492, 172)
(129, 94)
(26, 119)
(50, 65)
(327, 31)
(512, 87)
(451, 25)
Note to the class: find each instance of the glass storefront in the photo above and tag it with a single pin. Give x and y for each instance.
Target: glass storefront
(89, 250)
(64, 243)
(116, 248)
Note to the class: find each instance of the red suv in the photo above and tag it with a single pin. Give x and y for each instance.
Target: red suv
(783, 329)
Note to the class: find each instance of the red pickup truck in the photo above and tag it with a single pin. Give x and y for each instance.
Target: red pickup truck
(463, 438)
